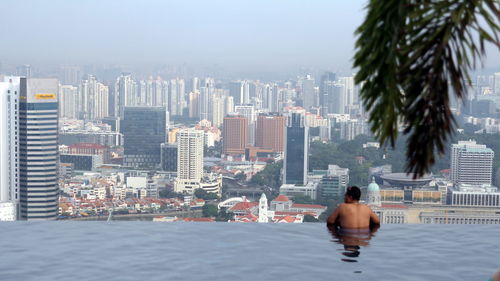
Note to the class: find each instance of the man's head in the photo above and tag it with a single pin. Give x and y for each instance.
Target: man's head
(352, 194)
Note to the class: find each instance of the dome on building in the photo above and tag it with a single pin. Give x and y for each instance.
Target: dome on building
(373, 186)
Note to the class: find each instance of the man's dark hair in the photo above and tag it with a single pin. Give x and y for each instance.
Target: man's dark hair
(354, 192)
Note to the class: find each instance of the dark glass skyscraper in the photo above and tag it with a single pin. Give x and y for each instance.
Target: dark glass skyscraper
(38, 140)
(144, 131)
(327, 79)
(296, 149)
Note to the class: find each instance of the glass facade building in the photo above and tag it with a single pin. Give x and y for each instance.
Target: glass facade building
(296, 150)
(144, 130)
(38, 143)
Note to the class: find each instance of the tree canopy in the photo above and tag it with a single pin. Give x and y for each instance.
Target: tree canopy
(411, 56)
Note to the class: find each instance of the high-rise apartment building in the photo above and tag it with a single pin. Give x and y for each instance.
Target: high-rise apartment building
(296, 160)
(93, 101)
(125, 93)
(190, 154)
(190, 174)
(68, 101)
(471, 163)
(236, 91)
(38, 146)
(9, 146)
(270, 130)
(144, 130)
(234, 135)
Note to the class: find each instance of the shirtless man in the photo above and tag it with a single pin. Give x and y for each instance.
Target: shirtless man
(352, 214)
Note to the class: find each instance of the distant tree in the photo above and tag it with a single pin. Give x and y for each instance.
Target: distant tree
(309, 218)
(203, 194)
(209, 210)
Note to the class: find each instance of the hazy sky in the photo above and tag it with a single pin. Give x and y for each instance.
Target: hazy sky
(235, 33)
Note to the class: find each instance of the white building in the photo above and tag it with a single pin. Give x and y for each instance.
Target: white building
(190, 176)
(8, 211)
(9, 148)
(190, 154)
(263, 209)
(475, 196)
(291, 190)
(471, 163)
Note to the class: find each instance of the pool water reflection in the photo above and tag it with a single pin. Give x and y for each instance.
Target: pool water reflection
(352, 240)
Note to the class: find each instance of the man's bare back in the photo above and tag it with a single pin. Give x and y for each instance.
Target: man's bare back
(351, 214)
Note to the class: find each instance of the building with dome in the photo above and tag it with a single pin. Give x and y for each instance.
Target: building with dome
(373, 194)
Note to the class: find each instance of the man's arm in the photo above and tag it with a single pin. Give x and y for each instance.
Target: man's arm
(332, 219)
(374, 219)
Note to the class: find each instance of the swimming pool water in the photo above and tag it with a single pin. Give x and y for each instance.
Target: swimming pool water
(230, 251)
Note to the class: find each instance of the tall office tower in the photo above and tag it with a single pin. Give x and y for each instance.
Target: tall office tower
(68, 97)
(496, 83)
(143, 130)
(194, 104)
(190, 154)
(24, 70)
(125, 93)
(248, 111)
(308, 93)
(347, 92)
(93, 100)
(9, 146)
(228, 105)
(296, 148)
(334, 98)
(236, 91)
(38, 141)
(234, 135)
(270, 129)
(326, 79)
(217, 111)
(471, 163)
(204, 103)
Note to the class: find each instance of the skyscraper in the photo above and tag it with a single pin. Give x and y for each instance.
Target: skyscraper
(296, 137)
(471, 163)
(190, 154)
(125, 93)
(248, 111)
(68, 97)
(234, 135)
(144, 130)
(190, 174)
(326, 79)
(309, 95)
(9, 144)
(269, 133)
(236, 91)
(38, 140)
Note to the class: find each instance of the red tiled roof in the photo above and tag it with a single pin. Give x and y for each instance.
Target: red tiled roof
(308, 206)
(281, 198)
(243, 206)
